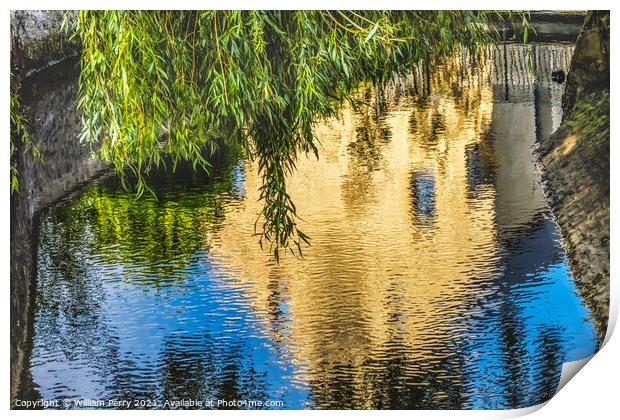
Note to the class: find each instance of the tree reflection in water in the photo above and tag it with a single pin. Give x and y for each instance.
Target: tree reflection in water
(435, 278)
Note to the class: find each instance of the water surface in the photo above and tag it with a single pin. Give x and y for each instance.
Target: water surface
(435, 278)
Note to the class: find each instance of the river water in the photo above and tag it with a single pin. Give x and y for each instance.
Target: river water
(435, 278)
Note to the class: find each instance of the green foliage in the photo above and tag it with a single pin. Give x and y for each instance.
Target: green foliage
(170, 84)
(19, 135)
(157, 235)
(590, 118)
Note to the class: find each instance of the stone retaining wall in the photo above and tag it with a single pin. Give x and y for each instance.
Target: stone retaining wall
(575, 168)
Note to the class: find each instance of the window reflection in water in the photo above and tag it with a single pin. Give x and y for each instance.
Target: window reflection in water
(423, 194)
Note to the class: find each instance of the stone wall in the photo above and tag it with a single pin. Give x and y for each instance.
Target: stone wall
(575, 167)
(47, 66)
(589, 72)
(576, 176)
(37, 40)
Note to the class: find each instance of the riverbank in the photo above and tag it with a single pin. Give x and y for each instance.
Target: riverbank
(47, 63)
(575, 168)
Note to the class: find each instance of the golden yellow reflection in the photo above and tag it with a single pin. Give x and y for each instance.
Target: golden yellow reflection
(394, 230)
(434, 279)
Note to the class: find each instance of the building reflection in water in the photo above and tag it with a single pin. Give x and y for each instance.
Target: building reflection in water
(435, 278)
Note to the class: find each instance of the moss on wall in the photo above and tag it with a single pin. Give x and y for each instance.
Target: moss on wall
(575, 168)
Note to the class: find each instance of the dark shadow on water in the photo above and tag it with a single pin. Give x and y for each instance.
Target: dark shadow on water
(457, 296)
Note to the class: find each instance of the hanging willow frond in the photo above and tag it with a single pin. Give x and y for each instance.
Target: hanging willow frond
(157, 84)
(19, 136)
